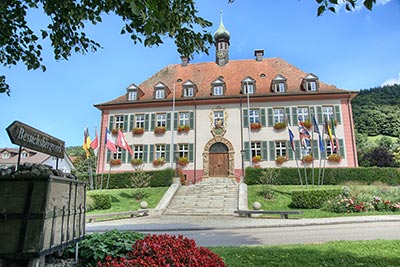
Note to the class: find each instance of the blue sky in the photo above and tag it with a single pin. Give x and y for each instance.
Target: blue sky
(352, 50)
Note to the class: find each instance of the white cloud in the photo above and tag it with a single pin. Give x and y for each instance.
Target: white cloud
(392, 81)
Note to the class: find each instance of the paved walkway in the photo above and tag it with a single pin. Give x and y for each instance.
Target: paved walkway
(186, 223)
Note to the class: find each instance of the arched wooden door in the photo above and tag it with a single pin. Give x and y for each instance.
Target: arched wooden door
(219, 160)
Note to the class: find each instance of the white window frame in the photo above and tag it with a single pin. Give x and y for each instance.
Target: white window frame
(118, 155)
(280, 149)
(328, 148)
(183, 150)
(5, 155)
(183, 119)
(188, 91)
(159, 151)
(119, 122)
(326, 113)
(160, 93)
(133, 95)
(248, 88)
(254, 115)
(218, 114)
(311, 86)
(139, 121)
(279, 115)
(161, 119)
(255, 148)
(138, 152)
(24, 155)
(218, 90)
(303, 114)
(279, 87)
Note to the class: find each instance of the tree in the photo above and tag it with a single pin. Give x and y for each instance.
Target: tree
(349, 4)
(145, 22)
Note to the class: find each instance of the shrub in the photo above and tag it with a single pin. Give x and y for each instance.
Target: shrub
(102, 201)
(267, 192)
(312, 199)
(90, 205)
(166, 250)
(95, 247)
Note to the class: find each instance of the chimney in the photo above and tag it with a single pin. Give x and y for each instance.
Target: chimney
(259, 53)
(185, 61)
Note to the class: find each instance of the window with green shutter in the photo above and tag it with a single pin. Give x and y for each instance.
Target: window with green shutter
(270, 117)
(294, 116)
(271, 150)
(145, 153)
(125, 129)
(341, 148)
(167, 152)
(146, 122)
(247, 150)
(298, 149)
(153, 122)
(151, 154)
(168, 126)
(111, 123)
(131, 122)
(337, 114)
(315, 149)
(245, 118)
(290, 150)
(319, 115)
(264, 150)
(287, 115)
(263, 119)
(191, 152)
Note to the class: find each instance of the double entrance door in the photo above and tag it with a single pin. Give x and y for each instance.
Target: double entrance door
(219, 164)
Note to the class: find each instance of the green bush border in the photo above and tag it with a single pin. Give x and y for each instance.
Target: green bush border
(333, 176)
(312, 199)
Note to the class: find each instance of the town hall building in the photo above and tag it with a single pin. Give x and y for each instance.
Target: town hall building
(214, 119)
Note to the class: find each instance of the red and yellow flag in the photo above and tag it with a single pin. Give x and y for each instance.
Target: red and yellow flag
(86, 142)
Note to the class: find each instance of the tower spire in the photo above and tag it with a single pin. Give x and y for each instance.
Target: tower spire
(222, 37)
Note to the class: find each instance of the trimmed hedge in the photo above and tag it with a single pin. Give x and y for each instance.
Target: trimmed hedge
(101, 201)
(333, 176)
(161, 178)
(313, 199)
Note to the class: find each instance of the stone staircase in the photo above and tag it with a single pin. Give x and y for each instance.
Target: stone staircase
(214, 196)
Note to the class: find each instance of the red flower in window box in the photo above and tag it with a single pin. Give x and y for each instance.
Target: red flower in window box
(334, 158)
(136, 161)
(256, 159)
(307, 159)
(255, 126)
(159, 161)
(138, 131)
(183, 161)
(183, 128)
(280, 160)
(115, 162)
(280, 125)
(159, 130)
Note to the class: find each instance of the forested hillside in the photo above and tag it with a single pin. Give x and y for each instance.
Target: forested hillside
(377, 111)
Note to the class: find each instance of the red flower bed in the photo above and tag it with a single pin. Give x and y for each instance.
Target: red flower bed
(166, 250)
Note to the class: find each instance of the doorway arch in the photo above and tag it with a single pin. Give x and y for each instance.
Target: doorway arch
(218, 158)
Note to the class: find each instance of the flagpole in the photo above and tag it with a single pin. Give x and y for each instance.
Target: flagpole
(293, 150)
(172, 154)
(312, 152)
(248, 120)
(320, 159)
(326, 153)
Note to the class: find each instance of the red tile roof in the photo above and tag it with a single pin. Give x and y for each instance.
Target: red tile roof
(203, 74)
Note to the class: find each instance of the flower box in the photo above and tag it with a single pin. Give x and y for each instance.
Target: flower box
(136, 161)
(115, 131)
(256, 159)
(159, 130)
(307, 159)
(307, 124)
(255, 126)
(334, 158)
(183, 128)
(183, 161)
(159, 161)
(115, 162)
(280, 125)
(138, 131)
(280, 160)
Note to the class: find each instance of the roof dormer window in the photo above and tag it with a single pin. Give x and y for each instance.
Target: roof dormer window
(160, 91)
(133, 92)
(248, 86)
(189, 89)
(218, 87)
(278, 84)
(24, 155)
(5, 155)
(310, 83)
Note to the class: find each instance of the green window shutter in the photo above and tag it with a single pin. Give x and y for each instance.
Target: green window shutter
(131, 122)
(312, 113)
(151, 156)
(245, 118)
(263, 120)
(108, 155)
(173, 153)
(153, 122)
(191, 120)
(167, 152)
(319, 115)
(191, 152)
(271, 150)
(289, 151)
(298, 149)
(123, 158)
(111, 123)
(264, 150)
(168, 121)
(246, 149)
(176, 120)
(129, 155)
(315, 149)
(146, 122)
(287, 114)
(341, 148)
(125, 123)
(294, 116)
(270, 118)
(145, 153)
(337, 114)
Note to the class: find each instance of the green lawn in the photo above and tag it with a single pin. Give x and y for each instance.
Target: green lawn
(282, 200)
(124, 200)
(341, 253)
